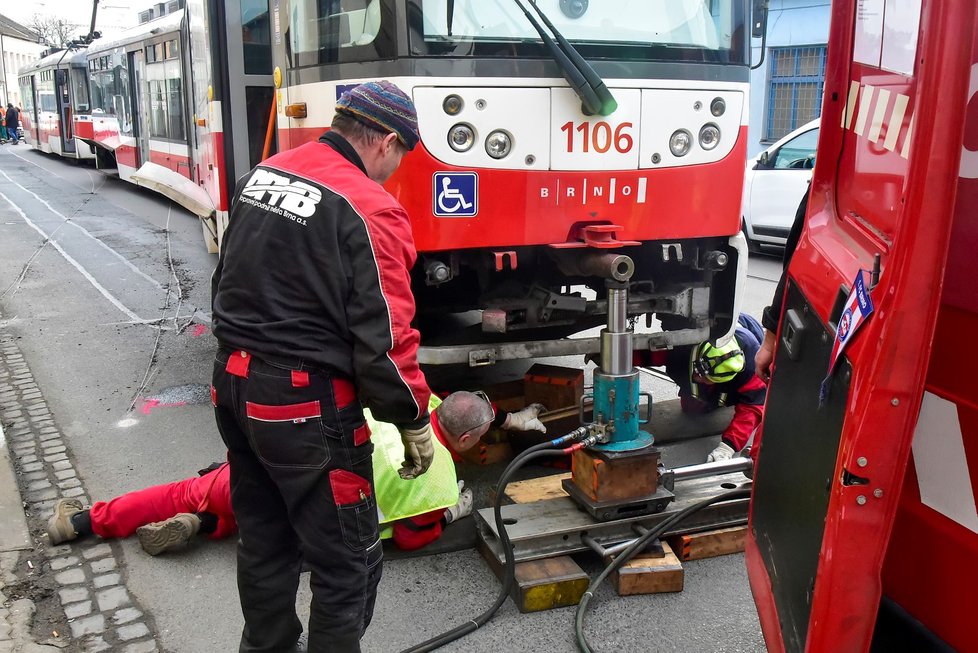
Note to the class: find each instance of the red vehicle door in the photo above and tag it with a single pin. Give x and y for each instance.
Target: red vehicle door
(850, 507)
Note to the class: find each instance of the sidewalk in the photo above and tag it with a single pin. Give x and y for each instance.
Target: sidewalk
(62, 598)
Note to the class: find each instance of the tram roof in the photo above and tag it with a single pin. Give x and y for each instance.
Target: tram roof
(61, 58)
(168, 23)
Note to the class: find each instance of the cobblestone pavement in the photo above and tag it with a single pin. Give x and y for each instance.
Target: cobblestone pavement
(71, 597)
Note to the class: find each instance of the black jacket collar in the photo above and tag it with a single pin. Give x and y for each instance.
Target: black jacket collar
(344, 147)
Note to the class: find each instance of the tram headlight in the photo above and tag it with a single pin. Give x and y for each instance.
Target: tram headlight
(461, 137)
(680, 142)
(718, 106)
(499, 144)
(452, 105)
(709, 136)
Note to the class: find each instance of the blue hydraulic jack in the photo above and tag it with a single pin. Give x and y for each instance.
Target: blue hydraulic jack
(620, 476)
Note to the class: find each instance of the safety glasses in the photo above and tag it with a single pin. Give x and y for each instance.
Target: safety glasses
(492, 411)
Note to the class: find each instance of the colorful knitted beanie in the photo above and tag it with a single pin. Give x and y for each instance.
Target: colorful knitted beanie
(384, 107)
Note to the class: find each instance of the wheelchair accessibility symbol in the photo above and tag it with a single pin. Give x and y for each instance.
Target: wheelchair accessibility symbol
(455, 194)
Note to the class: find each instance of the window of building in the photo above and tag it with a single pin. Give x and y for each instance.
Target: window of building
(795, 91)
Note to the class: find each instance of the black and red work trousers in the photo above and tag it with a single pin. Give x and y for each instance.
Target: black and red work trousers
(301, 481)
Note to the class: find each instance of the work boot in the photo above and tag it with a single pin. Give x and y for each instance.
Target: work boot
(464, 506)
(168, 535)
(60, 528)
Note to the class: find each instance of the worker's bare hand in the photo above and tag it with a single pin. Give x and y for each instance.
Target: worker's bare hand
(527, 419)
(419, 451)
(765, 356)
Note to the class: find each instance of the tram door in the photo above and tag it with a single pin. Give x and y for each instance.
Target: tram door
(28, 91)
(247, 104)
(139, 90)
(62, 91)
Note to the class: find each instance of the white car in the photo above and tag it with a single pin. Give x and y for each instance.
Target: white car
(774, 183)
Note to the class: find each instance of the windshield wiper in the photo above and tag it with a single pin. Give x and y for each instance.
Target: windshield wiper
(594, 94)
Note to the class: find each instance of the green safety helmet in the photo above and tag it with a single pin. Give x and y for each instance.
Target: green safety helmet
(717, 363)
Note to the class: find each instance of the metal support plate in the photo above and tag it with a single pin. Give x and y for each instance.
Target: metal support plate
(608, 510)
(555, 526)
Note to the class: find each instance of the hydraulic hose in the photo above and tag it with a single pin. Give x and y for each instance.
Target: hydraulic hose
(543, 450)
(638, 545)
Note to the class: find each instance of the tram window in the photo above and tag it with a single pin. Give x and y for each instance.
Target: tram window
(27, 95)
(334, 31)
(103, 79)
(46, 99)
(167, 118)
(640, 30)
(174, 107)
(95, 92)
(122, 100)
(79, 89)
(255, 37)
(157, 109)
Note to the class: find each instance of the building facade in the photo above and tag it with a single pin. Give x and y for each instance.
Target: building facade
(19, 46)
(786, 91)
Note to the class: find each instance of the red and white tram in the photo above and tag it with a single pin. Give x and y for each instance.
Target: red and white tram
(55, 93)
(515, 184)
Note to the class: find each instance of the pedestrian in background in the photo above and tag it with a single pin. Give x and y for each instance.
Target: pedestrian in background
(11, 122)
(312, 312)
(3, 127)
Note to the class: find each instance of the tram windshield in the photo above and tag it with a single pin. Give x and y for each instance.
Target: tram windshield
(685, 30)
(339, 31)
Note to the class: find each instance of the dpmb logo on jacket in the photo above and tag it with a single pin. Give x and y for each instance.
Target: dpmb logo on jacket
(281, 194)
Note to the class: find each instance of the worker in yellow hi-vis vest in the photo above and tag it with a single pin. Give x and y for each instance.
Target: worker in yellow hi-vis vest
(414, 511)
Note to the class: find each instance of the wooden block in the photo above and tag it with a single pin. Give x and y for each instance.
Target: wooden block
(650, 574)
(554, 387)
(542, 584)
(537, 489)
(709, 544)
(507, 396)
(616, 478)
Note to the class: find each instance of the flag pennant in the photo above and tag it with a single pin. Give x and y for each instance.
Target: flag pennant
(858, 308)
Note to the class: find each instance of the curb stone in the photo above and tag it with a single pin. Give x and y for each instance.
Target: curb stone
(83, 608)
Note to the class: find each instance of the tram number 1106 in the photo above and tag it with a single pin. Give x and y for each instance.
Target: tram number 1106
(599, 136)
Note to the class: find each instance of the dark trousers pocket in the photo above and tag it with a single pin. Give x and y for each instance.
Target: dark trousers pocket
(291, 435)
(356, 509)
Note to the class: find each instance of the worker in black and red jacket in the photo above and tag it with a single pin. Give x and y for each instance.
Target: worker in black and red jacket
(710, 376)
(312, 311)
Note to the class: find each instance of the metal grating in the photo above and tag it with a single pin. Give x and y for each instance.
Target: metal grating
(795, 92)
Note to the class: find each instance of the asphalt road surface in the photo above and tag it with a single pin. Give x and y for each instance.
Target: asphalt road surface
(106, 289)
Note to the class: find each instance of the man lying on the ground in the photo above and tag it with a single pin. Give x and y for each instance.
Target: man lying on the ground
(412, 511)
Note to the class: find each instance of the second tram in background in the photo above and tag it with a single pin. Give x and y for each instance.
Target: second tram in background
(55, 95)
